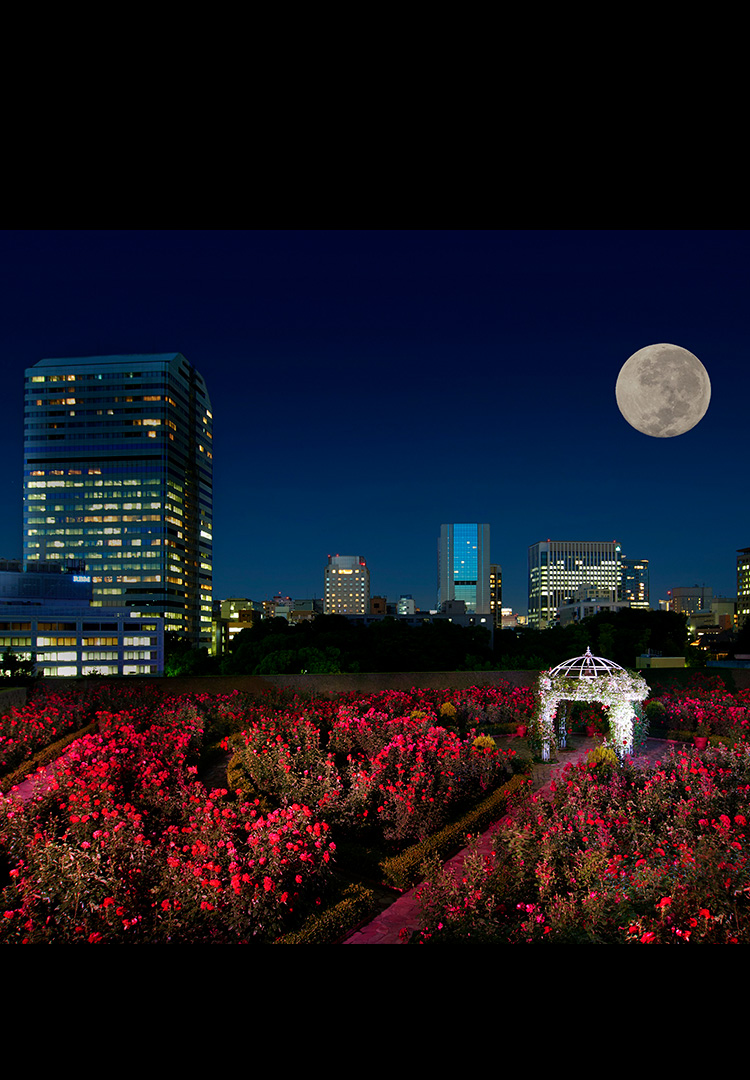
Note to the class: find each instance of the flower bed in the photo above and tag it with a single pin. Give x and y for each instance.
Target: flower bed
(615, 856)
(705, 707)
(125, 845)
(52, 714)
(385, 771)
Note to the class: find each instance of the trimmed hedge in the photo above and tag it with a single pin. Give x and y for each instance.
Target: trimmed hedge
(678, 735)
(356, 908)
(404, 870)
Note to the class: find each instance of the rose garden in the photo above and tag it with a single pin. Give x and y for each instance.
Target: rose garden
(243, 818)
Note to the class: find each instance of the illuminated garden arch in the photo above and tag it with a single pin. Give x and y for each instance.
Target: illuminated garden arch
(589, 678)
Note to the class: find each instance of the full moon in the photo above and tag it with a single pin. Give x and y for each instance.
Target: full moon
(663, 390)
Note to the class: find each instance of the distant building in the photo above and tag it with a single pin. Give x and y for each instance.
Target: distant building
(52, 584)
(510, 621)
(305, 610)
(239, 609)
(635, 582)
(464, 566)
(454, 608)
(406, 605)
(719, 617)
(584, 605)
(346, 586)
(496, 593)
(378, 605)
(690, 599)
(647, 661)
(231, 617)
(743, 586)
(46, 615)
(558, 568)
(277, 605)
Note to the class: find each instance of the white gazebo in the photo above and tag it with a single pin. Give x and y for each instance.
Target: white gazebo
(590, 678)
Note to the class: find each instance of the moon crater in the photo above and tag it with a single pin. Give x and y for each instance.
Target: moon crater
(663, 390)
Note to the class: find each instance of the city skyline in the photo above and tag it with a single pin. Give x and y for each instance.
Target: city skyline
(369, 385)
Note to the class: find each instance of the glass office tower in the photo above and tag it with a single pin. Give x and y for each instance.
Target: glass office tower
(118, 473)
(635, 582)
(559, 569)
(464, 566)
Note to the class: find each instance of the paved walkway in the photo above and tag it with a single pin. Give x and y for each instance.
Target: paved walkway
(396, 924)
(40, 777)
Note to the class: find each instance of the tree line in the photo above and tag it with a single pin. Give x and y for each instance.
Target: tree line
(330, 643)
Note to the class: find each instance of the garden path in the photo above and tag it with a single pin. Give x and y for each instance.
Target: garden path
(35, 780)
(397, 924)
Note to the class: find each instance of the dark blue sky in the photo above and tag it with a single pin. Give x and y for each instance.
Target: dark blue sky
(369, 385)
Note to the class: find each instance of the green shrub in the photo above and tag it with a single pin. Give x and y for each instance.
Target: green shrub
(722, 740)
(603, 759)
(484, 742)
(355, 908)
(655, 711)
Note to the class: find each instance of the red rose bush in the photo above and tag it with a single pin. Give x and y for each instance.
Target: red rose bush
(613, 856)
(125, 845)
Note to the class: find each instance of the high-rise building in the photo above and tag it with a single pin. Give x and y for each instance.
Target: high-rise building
(496, 594)
(635, 582)
(346, 586)
(118, 473)
(464, 566)
(560, 569)
(743, 586)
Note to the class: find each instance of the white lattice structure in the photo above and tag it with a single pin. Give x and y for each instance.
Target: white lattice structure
(590, 678)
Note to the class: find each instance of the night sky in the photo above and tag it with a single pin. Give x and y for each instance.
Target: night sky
(369, 385)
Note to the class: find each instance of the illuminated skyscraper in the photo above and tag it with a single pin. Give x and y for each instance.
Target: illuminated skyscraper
(464, 566)
(118, 473)
(496, 594)
(558, 569)
(635, 582)
(346, 586)
(743, 585)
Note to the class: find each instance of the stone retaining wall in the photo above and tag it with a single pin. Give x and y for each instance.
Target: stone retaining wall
(360, 683)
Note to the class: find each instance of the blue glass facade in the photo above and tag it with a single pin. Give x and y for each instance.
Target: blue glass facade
(464, 566)
(118, 472)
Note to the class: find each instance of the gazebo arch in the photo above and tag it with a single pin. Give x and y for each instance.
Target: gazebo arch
(590, 678)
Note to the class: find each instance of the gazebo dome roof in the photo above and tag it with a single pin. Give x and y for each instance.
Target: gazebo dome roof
(585, 667)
